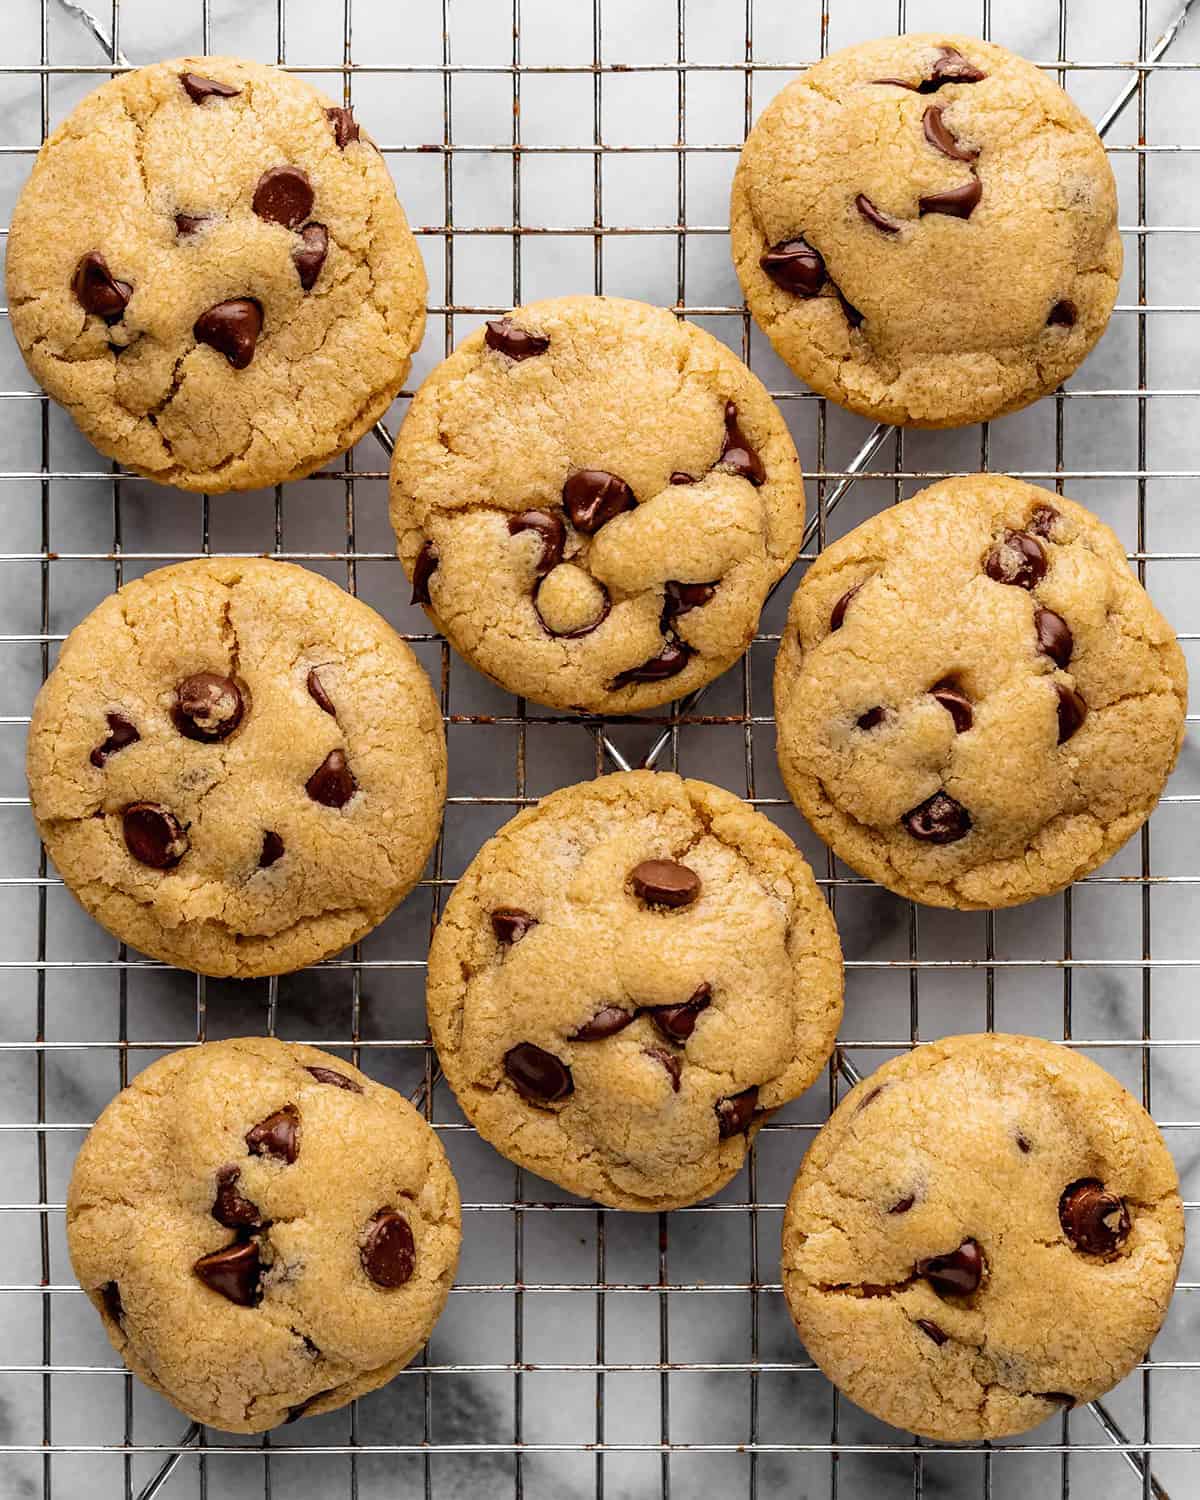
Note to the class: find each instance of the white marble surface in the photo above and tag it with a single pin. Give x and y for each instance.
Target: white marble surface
(1109, 923)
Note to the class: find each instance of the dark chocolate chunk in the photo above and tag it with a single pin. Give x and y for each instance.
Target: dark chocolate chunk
(332, 784)
(97, 290)
(1042, 519)
(284, 196)
(952, 67)
(662, 882)
(232, 329)
(552, 529)
(272, 849)
(278, 1135)
(235, 1272)
(795, 266)
(1095, 1220)
(679, 477)
(942, 138)
(538, 1075)
(938, 820)
(208, 706)
(673, 1064)
(1072, 711)
(737, 453)
(199, 89)
(186, 224)
(606, 1022)
(339, 1080)
(677, 1022)
(510, 923)
(678, 598)
(1062, 314)
(120, 733)
(735, 1113)
(316, 691)
(874, 216)
(838, 613)
(229, 1207)
(1062, 1398)
(958, 202)
(956, 1274)
(1054, 636)
(110, 1296)
(903, 1205)
(955, 702)
(670, 661)
(503, 335)
(872, 718)
(1019, 559)
(593, 496)
(423, 570)
(309, 255)
(154, 835)
(931, 1330)
(345, 126)
(389, 1254)
(1024, 1145)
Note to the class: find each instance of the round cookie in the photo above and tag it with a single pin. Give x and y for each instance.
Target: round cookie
(265, 1232)
(925, 227)
(629, 978)
(236, 766)
(976, 701)
(209, 269)
(593, 499)
(987, 1230)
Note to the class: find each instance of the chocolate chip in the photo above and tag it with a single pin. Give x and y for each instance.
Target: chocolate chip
(538, 1075)
(951, 67)
(942, 138)
(956, 1274)
(958, 202)
(97, 290)
(853, 316)
(677, 1022)
(838, 613)
(662, 882)
(510, 923)
(235, 1272)
(874, 216)
(737, 453)
(284, 196)
(207, 706)
(154, 835)
(503, 335)
(309, 256)
(955, 702)
(186, 224)
(1023, 1144)
(735, 1113)
(872, 718)
(678, 598)
(931, 1330)
(110, 1296)
(1054, 636)
(795, 266)
(903, 1206)
(229, 1207)
(332, 784)
(938, 820)
(120, 733)
(388, 1254)
(232, 329)
(593, 496)
(339, 1080)
(423, 570)
(278, 1135)
(606, 1022)
(1042, 519)
(1019, 559)
(1072, 711)
(345, 126)
(552, 529)
(272, 850)
(669, 1061)
(570, 635)
(670, 661)
(1094, 1220)
(317, 693)
(1062, 314)
(679, 477)
(199, 89)
(1062, 1398)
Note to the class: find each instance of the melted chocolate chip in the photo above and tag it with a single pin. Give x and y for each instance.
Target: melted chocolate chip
(199, 89)
(1054, 636)
(332, 784)
(874, 216)
(571, 635)
(1072, 711)
(679, 477)
(235, 1272)
(606, 1022)
(677, 1022)
(186, 224)
(272, 849)
(503, 335)
(154, 835)
(670, 661)
(956, 1274)
(229, 1207)
(735, 1113)
(110, 1296)
(931, 1330)
(662, 882)
(510, 923)
(795, 266)
(120, 733)
(903, 1205)
(537, 1075)
(232, 329)
(593, 496)
(938, 820)
(1019, 559)
(872, 718)
(309, 255)
(958, 202)
(317, 693)
(345, 126)
(97, 290)
(552, 529)
(278, 1135)
(1042, 519)
(423, 570)
(838, 613)
(1062, 314)
(951, 67)
(955, 702)
(207, 707)
(737, 453)
(388, 1254)
(1095, 1220)
(284, 196)
(678, 598)
(339, 1080)
(1023, 1145)
(942, 138)
(673, 1064)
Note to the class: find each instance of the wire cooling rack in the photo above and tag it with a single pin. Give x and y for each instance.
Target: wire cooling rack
(587, 145)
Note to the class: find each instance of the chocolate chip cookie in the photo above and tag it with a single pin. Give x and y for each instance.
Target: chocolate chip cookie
(627, 980)
(976, 701)
(209, 269)
(266, 1232)
(987, 1230)
(236, 766)
(592, 499)
(925, 227)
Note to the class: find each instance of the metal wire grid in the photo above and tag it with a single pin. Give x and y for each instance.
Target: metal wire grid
(1078, 1436)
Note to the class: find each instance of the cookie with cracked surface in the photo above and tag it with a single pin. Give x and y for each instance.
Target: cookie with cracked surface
(629, 978)
(209, 269)
(236, 766)
(925, 227)
(976, 701)
(592, 499)
(988, 1229)
(266, 1232)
